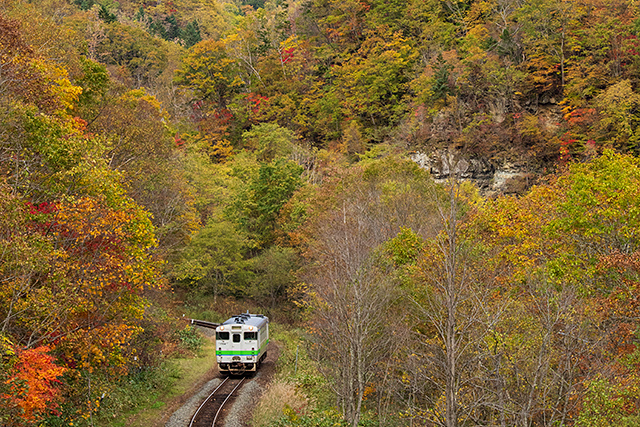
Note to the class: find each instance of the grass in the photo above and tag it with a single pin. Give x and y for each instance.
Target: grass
(280, 396)
(298, 388)
(181, 374)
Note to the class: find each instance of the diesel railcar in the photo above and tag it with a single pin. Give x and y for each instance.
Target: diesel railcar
(241, 343)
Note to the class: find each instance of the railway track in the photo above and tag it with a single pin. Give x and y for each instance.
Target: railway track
(212, 409)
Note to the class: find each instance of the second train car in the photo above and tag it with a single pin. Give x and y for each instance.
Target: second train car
(241, 343)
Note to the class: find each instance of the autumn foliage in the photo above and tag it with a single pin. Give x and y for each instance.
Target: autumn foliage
(76, 255)
(31, 384)
(257, 150)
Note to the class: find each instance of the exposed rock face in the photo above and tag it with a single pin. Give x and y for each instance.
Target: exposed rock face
(491, 180)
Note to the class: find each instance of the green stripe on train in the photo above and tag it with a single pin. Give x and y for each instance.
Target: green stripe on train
(241, 352)
(237, 353)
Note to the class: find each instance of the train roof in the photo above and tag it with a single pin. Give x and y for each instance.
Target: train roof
(247, 319)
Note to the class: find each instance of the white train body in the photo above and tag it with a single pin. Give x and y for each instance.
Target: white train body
(241, 343)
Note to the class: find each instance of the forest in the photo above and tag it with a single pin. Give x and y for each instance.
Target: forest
(161, 156)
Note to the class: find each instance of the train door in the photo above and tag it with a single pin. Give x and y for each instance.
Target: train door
(236, 344)
(251, 345)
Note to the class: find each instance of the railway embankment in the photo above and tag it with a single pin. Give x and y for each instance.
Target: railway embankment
(196, 378)
(240, 412)
(191, 375)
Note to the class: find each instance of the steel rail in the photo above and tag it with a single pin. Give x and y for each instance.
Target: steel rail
(205, 402)
(225, 401)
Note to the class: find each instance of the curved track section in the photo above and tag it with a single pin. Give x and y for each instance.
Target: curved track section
(209, 413)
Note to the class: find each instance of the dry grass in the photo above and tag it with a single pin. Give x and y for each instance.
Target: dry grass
(278, 396)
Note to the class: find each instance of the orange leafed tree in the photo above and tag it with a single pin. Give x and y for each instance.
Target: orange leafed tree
(32, 384)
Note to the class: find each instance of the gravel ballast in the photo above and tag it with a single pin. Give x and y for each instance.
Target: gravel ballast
(240, 413)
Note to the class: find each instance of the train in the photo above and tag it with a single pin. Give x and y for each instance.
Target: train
(241, 343)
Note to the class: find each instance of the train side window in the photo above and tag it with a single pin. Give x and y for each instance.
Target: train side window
(250, 336)
(236, 337)
(222, 336)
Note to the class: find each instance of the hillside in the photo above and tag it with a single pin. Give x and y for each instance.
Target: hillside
(461, 174)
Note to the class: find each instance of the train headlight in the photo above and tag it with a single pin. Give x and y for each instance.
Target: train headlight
(249, 357)
(222, 328)
(251, 328)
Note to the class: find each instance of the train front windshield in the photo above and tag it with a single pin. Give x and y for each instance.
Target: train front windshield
(248, 336)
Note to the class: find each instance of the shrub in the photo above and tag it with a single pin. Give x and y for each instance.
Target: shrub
(190, 338)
